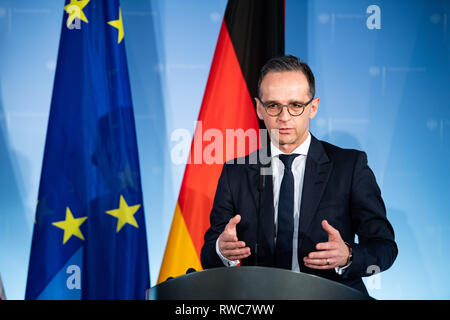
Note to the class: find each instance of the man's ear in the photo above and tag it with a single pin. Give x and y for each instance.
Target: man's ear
(258, 108)
(314, 108)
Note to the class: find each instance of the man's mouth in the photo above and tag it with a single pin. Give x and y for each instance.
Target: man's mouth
(285, 130)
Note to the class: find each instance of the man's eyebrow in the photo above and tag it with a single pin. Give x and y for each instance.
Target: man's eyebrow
(270, 101)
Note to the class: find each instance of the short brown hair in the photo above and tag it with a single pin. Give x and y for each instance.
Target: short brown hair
(288, 63)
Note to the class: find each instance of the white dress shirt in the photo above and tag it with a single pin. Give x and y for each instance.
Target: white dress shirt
(298, 170)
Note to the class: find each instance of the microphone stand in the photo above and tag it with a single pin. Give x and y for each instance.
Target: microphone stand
(261, 185)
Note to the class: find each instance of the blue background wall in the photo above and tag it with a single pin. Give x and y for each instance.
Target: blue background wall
(385, 91)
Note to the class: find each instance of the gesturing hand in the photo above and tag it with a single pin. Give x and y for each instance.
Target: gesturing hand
(229, 245)
(334, 253)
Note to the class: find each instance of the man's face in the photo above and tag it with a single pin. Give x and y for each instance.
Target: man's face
(286, 132)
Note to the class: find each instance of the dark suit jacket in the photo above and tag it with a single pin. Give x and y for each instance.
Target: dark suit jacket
(338, 186)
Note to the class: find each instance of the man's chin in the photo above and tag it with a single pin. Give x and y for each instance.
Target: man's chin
(284, 143)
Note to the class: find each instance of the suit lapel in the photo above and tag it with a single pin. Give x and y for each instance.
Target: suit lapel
(317, 172)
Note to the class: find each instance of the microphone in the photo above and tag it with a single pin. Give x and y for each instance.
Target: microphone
(261, 181)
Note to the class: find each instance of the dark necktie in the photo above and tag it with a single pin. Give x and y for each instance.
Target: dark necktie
(285, 229)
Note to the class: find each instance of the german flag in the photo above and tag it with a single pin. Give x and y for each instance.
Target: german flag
(252, 32)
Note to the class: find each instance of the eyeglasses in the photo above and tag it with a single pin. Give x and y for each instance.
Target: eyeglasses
(295, 109)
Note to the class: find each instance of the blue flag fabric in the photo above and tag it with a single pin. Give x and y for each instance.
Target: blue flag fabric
(89, 239)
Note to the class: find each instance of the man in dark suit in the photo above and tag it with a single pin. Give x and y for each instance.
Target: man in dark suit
(303, 215)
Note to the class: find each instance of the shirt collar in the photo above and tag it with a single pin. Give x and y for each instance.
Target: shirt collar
(301, 149)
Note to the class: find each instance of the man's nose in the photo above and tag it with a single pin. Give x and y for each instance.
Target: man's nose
(284, 115)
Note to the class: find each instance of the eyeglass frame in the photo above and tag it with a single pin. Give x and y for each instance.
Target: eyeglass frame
(287, 107)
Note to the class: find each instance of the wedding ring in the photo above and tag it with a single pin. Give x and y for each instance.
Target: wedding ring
(328, 261)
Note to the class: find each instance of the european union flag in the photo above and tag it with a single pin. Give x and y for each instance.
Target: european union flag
(89, 239)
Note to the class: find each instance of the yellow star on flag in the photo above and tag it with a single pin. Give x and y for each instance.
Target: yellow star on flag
(75, 10)
(118, 25)
(71, 226)
(124, 214)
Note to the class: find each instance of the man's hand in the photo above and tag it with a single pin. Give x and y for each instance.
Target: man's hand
(229, 245)
(334, 253)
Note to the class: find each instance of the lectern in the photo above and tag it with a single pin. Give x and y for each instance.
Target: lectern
(252, 283)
